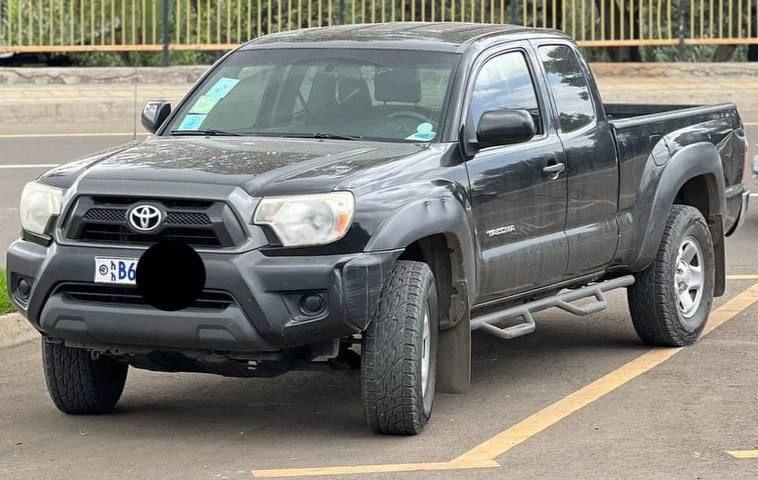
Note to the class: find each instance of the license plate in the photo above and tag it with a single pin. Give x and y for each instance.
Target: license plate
(119, 271)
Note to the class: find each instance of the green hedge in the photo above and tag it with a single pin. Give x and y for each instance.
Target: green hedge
(5, 303)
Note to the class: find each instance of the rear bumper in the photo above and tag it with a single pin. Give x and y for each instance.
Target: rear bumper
(742, 216)
(264, 315)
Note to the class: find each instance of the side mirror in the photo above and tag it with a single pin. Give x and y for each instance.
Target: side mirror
(504, 126)
(154, 114)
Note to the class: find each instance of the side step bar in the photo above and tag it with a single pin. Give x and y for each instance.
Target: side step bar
(563, 300)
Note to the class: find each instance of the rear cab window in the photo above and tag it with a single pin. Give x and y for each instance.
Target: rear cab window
(569, 87)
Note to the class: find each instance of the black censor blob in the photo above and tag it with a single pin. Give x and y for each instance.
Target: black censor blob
(170, 276)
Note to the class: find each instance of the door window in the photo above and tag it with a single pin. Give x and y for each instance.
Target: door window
(505, 82)
(569, 86)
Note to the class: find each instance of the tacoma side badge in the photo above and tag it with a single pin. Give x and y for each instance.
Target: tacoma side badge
(501, 230)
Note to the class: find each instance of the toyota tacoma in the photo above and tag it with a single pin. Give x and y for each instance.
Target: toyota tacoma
(364, 197)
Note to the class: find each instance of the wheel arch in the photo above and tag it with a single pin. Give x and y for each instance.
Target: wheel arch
(693, 176)
(423, 229)
(443, 253)
(702, 192)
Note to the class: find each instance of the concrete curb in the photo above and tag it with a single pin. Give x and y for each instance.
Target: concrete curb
(15, 330)
(10, 76)
(87, 113)
(706, 71)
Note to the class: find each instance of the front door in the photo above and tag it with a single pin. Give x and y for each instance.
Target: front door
(519, 209)
(591, 164)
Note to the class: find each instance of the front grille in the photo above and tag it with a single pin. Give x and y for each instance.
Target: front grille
(199, 223)
(186, 218)
(171, 203)
(103, 215)
(101, 233)
(118, 215)
(119, 295)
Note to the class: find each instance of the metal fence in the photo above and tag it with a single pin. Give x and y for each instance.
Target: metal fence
(153, 25)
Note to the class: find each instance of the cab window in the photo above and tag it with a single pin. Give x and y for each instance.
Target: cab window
(569, 86)
(505, 82)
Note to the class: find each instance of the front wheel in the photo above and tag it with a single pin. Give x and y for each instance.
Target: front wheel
(80, 384)
(671, 300)
(399, 352)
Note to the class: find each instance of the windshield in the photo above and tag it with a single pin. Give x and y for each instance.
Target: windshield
(322, 93)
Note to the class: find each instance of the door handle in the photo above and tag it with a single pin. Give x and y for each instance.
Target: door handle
(554, 169)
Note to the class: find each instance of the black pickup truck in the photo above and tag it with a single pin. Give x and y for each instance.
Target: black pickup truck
(367, 196)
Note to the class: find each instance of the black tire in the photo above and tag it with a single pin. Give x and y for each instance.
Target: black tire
(78, 384)
(658, 314)
(395, 401)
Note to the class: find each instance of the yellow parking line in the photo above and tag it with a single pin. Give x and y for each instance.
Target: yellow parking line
(741, 454)
(486, 453)
(559, 410)
(364, 469)
(742, 277)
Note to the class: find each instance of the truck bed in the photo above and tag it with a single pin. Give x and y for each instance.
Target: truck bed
(638, 128)
(617, 111)
(644, 112)
(643, 130)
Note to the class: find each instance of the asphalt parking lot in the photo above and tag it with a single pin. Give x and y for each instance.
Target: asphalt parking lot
(579, 398)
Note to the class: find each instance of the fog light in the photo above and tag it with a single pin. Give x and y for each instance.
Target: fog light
(312, 304)
(23, 289)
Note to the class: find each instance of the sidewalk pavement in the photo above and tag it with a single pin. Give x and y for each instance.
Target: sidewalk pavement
(83, 108)
(15, 330)
(686, 90)
(92, 105)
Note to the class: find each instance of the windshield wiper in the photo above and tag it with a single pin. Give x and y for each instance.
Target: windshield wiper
(319, 135)
(336, 136)
(211, 132)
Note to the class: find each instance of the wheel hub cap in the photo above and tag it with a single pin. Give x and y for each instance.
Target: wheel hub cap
(688, 277)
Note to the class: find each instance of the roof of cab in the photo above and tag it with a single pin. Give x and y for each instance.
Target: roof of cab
(440, 36)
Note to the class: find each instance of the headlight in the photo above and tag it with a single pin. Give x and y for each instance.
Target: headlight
(39, 203)
(307, 219)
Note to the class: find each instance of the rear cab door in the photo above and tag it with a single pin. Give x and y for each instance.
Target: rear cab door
(591, 161)
(518, 208)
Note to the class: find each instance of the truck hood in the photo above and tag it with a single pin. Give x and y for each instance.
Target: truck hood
(261, 166)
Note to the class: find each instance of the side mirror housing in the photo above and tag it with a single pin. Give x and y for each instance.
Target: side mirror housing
(154, 114)
(504, 126)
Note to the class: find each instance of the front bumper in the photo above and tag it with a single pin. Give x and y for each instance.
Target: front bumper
(264, 316)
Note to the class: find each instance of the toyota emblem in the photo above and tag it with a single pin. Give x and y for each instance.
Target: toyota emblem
(145, 218)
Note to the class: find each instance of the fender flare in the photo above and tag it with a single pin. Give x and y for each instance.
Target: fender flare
(441, 215)
(700, 159)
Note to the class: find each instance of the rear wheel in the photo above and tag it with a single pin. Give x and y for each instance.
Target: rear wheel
(79, 384)
(671, 300)
(399, 353)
